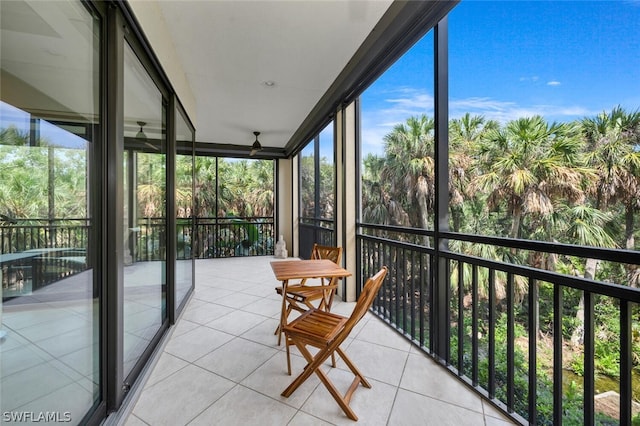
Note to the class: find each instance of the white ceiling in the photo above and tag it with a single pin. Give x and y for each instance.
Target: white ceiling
(229, 49)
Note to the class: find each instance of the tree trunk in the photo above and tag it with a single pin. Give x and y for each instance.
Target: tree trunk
(422, 194)
(516, 214)
(628, 229)
(633, 273)
(577, 337)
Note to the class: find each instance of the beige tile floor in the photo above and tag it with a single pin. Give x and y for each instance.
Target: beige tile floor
(221, 365)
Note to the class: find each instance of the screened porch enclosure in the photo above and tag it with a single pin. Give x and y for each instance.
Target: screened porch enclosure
(487, 153)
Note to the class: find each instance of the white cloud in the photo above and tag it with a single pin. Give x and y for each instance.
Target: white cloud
(553, 83)
(372, 139)
(504, 111)
(414, 102)
(398, 105)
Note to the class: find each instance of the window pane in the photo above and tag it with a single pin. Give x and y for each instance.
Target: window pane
(49, 317)
(234, 207)
(537, 92)
(397, 132)
(307, 181)
(544, 102)
(184, 205)
(144, 212)
(327, 173)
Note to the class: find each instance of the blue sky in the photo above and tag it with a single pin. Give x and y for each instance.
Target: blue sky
(563, 60)
(10, 115)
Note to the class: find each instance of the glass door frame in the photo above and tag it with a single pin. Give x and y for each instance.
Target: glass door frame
(121, 29)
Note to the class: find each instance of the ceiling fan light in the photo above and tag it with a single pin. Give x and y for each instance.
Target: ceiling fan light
(256, 145)
(140, 134)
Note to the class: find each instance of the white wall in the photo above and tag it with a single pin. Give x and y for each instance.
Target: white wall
(153, 24)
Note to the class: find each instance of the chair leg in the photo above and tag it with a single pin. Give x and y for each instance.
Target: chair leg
(313, 366)
(286, 317)
(353, 368)
(287, 343)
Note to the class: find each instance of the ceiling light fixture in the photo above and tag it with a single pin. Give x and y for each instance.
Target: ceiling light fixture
(140, 134)
(256, 145)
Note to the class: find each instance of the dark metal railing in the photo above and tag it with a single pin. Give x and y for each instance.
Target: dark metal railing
(18, 235)
(312, 230)
(212, 237)
(37, 252)
(237, 236)
(494, 313)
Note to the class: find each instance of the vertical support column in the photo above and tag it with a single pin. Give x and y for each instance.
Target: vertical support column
(316, 181)
(112, 258)
(170, 196)
(347, 166)
(441, 110)
(284, 204)
(295, 206)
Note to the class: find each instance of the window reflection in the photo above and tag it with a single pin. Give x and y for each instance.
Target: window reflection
(49, 317)
(144, 214)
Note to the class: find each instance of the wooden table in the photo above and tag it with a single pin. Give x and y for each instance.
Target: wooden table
(286, 270)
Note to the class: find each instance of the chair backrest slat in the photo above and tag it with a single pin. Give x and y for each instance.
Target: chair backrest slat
(371, 288)
(334, 254)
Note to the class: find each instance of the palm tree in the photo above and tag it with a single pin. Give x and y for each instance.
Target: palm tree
(586, 226)
(613, 140)
(410, 168)
(464, 135)
(260, 188)
(205, 183)
(527, 165)
(378, 205)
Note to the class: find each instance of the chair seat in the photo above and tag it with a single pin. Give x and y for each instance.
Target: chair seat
(316, 327)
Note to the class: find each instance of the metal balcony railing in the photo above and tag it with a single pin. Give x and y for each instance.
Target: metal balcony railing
(38, 252)
(233, 236)
(313, 230)
(504, 328)
(212, 237)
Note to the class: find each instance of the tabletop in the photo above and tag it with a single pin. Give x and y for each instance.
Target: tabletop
(313, 268)
(12, 257)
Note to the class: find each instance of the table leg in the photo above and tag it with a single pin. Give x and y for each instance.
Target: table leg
(283, 311)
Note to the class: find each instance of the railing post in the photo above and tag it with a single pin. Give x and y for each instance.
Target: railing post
(533, 351)
(626, 363)
(557, 354)
(441, 325)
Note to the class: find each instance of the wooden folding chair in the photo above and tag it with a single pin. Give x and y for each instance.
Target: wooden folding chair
(301, 296)
(326, 331)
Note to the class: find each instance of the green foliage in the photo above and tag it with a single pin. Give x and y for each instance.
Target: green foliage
(572, 403)
(42, 181)
(307, 188)
(241, 188)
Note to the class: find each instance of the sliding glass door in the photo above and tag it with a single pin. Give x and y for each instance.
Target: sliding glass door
(144, 210)
(50, 125)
